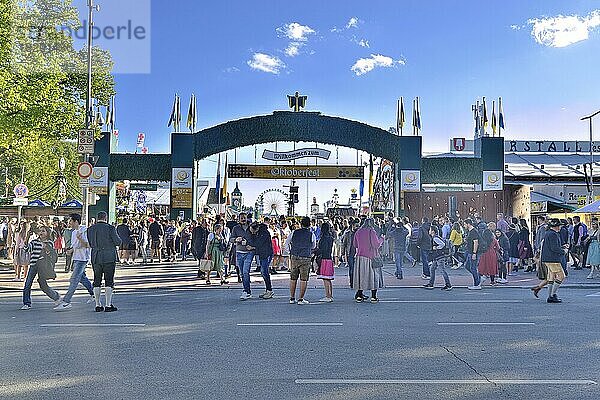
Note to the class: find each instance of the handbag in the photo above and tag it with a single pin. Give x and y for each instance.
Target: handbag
(205, 265)
(377, 261)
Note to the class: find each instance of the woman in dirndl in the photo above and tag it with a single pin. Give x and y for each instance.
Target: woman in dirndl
(325, 272)
(367, 243)
(593, 256)
(215, 248)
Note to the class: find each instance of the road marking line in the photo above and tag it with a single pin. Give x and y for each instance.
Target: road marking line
(294, 324)
(483, 323)
(87, 325)
(445, 382)
(597, 294)
(450, 301)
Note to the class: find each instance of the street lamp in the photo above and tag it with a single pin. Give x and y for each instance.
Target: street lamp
(89, 113)
(589, 117)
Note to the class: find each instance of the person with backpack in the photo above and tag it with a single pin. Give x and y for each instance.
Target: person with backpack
(424, 245)
(440, 255)
(42, 262)
(398, 233)
(261, 245)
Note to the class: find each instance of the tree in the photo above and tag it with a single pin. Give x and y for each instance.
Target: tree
(43, 86)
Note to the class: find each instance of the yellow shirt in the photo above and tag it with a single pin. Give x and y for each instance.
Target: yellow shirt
(456, 238)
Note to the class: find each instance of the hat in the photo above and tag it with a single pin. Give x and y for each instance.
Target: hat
(553, 223)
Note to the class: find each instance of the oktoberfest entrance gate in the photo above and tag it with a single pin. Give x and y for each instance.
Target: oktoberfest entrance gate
(405, 152)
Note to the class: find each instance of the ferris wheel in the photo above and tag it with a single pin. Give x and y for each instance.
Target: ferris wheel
(272, 202)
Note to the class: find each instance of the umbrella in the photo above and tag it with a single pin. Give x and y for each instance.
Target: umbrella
(593, 208)
(73, 203)
(38, 203)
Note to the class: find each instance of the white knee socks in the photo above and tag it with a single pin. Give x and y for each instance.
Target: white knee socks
(108, 292)
(97, 291)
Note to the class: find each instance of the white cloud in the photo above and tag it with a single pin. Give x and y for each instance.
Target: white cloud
(293, 49)
(363, 43)
(266, 63)
(352, 23)
(296, 31)
(231, 70)
(564, 30)
(364, 65)
(515, 27)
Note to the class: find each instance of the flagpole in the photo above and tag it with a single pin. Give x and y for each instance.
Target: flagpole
(499, 114)
(414, 118)
(493, 118)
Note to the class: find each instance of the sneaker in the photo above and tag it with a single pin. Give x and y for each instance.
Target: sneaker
(359, 299)
(329, 300)
(399, 277)
(266, 295)
(324, 300)
(303, 302)
(26, 307)
(447, 288)
(425, 277)
(292, 300)
(474, 287)
(502, 280)
(428, 286)
(99, 309)
(110, 308)
(63, 307)
(553, 299)
(245, 296)
(57, 302)
(374, 300)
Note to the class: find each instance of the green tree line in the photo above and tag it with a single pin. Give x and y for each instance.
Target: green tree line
(43, 86)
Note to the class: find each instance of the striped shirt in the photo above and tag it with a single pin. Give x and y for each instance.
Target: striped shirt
(35, 248)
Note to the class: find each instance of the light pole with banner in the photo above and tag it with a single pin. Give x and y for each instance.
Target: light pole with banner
(590, 117)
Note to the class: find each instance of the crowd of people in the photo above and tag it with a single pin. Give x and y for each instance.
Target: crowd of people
(489, 250)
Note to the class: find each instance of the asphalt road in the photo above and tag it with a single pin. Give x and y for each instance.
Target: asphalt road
(206, 343)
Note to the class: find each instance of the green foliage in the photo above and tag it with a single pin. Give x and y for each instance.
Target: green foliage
(43, 85)
(449, 170)
(140, 167)
(302, 126)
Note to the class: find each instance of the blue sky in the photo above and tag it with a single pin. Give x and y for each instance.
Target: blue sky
(449, 53)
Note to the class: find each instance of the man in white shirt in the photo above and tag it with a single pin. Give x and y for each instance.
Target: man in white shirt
(80, 249)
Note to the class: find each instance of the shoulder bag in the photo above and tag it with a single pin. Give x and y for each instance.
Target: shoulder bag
(46, 263)
(376, 262)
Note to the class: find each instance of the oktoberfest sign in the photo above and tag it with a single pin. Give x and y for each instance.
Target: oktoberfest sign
(295, 154)
(181, 188)
(238, 171)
